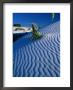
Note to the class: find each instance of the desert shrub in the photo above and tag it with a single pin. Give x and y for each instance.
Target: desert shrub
(35, 32)
(17, 25)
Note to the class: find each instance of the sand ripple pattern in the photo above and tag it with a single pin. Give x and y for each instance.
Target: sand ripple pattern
(40, 58)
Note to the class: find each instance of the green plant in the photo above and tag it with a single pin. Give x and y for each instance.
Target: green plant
(35, 32)
(17, 25)
(53, 16)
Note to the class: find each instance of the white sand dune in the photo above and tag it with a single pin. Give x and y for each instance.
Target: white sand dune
(40, 58)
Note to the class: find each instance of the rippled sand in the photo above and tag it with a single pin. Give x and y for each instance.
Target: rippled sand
(40, 58)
